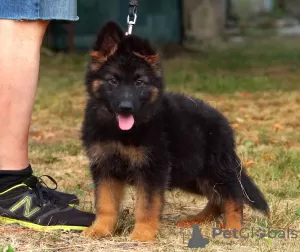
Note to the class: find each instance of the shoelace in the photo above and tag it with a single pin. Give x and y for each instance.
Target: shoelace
(36, 183)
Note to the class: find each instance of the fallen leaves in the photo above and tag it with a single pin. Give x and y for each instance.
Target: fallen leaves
(248, 163)
(9, 229)
(45, 135)
(276, 127)
(235, 125)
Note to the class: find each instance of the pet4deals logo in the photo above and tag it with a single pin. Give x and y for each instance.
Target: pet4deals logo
(198, 240)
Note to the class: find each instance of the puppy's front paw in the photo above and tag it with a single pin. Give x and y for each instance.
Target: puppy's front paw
(143, 235)
(96, 232)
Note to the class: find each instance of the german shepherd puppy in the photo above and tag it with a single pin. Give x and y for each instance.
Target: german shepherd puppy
(136, 133)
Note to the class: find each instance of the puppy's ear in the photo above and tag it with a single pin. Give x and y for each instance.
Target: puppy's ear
(143, 49)
(106, 44)
(146, 52)
(108, 39)
(152, 60)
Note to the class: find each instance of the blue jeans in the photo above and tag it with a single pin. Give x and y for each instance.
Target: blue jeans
(39, 9)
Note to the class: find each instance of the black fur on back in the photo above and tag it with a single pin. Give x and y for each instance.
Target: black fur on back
(176, 141)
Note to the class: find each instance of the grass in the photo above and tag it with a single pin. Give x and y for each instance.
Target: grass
(255, 84)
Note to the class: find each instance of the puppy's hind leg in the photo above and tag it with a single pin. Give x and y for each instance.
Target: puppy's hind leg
(210, 211)
(208, 214)
(233, 214)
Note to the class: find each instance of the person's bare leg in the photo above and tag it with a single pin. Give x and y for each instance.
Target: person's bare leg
(20, 44)
(19, 69)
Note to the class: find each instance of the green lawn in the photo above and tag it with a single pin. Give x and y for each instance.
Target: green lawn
(255, 84)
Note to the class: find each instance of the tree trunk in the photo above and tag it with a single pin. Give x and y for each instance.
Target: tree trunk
(204, 19)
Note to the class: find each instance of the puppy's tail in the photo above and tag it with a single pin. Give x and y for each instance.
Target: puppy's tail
(254, 197)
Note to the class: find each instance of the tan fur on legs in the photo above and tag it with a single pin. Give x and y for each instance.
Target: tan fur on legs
(210, 212)
(147, 214)
(109, 194)
(233, 214)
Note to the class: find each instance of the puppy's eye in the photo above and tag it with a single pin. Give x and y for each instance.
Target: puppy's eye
(139, 83)
(113, 81)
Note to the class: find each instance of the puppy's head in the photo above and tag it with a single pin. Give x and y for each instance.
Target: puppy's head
(124, 77)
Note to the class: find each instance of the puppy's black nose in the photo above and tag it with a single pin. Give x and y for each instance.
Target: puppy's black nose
(126, 106)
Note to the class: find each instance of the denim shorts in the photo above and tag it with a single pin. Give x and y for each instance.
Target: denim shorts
(38, 9)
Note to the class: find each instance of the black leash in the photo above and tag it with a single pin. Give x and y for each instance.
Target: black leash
(132, 15)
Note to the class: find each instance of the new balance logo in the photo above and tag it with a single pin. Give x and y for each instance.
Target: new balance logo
(25, 203)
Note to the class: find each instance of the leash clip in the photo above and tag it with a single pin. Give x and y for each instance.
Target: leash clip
(131, 23)
(132, 16)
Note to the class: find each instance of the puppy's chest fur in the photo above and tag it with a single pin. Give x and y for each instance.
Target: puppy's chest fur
(115, 151)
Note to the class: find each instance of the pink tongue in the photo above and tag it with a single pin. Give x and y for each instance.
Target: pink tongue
(125, 122)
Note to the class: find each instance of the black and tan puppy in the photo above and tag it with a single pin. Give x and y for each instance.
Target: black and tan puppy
(136, 133)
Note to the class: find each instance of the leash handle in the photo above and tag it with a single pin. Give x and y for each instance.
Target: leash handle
(132, 15)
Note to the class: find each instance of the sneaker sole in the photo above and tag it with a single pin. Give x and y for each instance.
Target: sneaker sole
(41, 228)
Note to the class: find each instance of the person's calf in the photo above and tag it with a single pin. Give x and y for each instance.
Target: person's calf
(19, 61)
